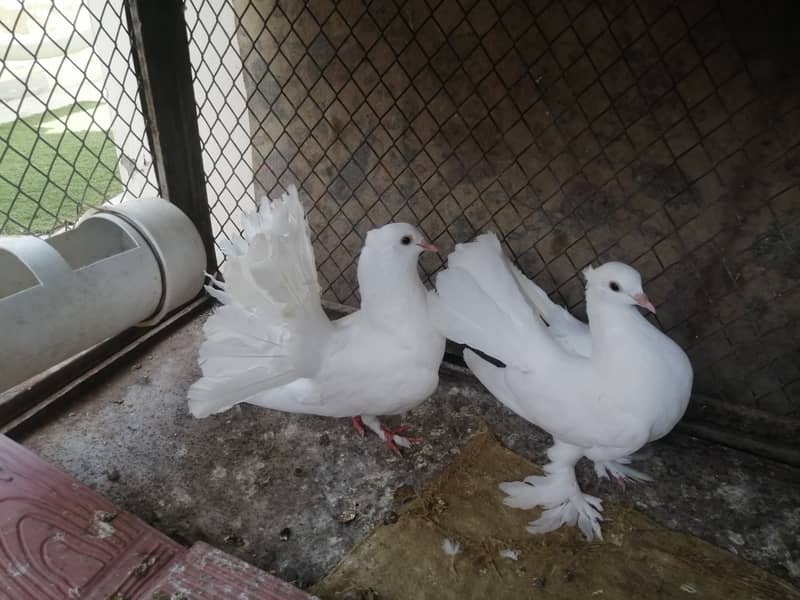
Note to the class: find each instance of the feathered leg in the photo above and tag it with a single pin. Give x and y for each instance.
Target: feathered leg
(619, 471)
(559, 494)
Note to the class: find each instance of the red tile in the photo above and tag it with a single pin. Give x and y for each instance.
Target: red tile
(61, 540)
(207, 573)
(58, 539)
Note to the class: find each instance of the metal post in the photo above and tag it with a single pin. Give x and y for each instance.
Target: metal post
(161, 57)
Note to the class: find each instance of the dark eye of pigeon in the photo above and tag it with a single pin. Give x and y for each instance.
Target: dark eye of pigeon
(614, 286)
(406, 240)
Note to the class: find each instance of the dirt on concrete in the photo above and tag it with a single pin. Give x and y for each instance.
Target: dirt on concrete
(491, 555)
(294, 494)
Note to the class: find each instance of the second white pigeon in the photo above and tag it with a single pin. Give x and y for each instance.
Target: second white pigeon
(602, 391)
(272, 345)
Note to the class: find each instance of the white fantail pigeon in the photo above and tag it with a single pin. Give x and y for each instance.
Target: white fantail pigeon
(602, 391)
(271, 344)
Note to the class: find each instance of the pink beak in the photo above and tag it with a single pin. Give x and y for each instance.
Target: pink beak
(643, 301)
(427, 246)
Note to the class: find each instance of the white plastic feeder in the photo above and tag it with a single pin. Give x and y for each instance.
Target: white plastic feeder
(122, 266)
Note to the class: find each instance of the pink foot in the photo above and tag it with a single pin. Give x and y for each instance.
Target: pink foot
(359, 425)
(394, 440)
(392, 437)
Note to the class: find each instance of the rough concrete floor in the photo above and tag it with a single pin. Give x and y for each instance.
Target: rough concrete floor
(240, 479)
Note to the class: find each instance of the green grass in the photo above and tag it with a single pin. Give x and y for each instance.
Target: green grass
(49, 179)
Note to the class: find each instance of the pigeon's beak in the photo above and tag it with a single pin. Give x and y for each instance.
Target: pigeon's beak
(427, 246)
(642, 300)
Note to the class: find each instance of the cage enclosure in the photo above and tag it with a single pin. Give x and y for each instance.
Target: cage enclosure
(661, 133)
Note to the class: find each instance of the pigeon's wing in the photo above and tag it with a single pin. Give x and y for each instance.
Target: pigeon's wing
(564, 408)
(479, 303)
(573, 334)
(570, 402)
(494, 379)
(368, 370)
(271, 329)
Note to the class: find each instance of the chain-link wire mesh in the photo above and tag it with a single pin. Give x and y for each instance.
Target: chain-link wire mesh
(661, 133)
(72, 132)
(225, 133)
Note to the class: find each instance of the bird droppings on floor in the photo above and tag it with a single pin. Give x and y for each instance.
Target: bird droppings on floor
(271, 487)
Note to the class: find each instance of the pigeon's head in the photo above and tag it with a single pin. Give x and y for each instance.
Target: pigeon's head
(617, 283)
(387, 268)
(400, 239)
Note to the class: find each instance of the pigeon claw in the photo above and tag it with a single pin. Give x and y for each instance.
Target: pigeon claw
(359, 425)
(393, 447)
(394, 440)
(402, 429)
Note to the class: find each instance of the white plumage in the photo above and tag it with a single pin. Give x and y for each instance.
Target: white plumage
(271, 344)
(602, 392)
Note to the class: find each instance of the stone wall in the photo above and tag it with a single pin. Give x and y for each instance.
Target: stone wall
(662, 133)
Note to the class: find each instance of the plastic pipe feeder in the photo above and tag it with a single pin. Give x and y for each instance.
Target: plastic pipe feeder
(121, 266)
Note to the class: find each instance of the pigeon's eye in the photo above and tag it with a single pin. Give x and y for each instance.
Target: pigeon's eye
(406, 240)
(614, 286)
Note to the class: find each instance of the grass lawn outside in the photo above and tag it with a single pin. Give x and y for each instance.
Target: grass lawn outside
(51, 170)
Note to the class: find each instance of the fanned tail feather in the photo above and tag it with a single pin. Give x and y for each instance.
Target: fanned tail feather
(271, 326)
(572, 334)
(484, 260)
(478, 303)
(536, 296)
